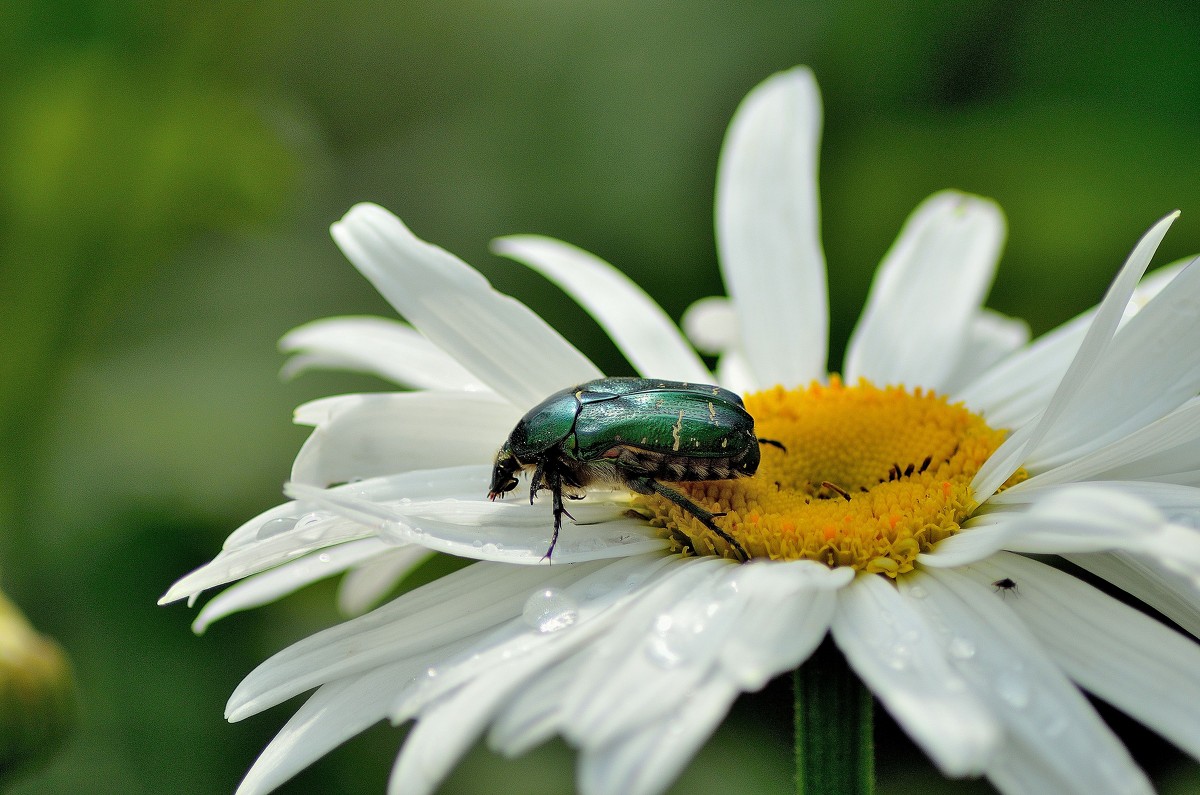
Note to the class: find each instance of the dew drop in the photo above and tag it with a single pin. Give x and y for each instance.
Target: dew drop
(324, 557)
(898, 657)
(309, 522)
(1056, 726)
(962, 648)
(917, 592)
(274, 527)
(550, 610)
(677, 639)
(1013, 689)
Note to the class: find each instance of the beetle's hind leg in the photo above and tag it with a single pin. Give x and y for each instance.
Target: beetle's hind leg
(773, 443)
(646, 485)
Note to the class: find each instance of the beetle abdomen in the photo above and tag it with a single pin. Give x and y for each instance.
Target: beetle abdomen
(633, 461)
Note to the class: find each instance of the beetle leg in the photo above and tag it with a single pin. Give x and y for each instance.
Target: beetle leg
(555, 479)
(645, 485)
(773, 443)
(535, 482)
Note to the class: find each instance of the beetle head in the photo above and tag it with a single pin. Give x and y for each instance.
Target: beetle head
(504, 473)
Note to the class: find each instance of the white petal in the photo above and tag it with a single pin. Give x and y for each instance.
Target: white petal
(363, 436)
(308, 534)
(733, 372)
(1161, 450)
(632, 319)
(449, 729)
(294, 529)
(366, 585)
(661, 648)
(991, 337)
(1077, 518)
(433, 621)
(276, 583)
(375, 345)
(1151, 368)
(555, 622)
(1174, 595)
(712, 325)
(1007, 668)
(1015, 450)
(1022, 769)
(896, 653)
(647, 761)
(768, 229)
(981, 538)
(495, 337)
(1012, 392)
(1112, 650)
(501, 531)
(1091, 518)
(537, 712)
(790, 607)
(332, 715)
(927, 292)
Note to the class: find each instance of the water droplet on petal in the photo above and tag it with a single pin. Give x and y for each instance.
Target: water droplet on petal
(1056, 725)
(962, 648)
(274, 527)
(917, 592)
(898, 657)
(324, 557)
(550, 610)
(1013, 689)
(676, 639)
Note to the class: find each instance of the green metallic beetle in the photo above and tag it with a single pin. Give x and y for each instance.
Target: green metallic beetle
(631, 432)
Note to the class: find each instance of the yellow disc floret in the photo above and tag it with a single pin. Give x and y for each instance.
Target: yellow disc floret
(870, 478)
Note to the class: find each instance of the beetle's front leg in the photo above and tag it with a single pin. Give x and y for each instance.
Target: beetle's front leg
(555, 478)
(646, 485)
(535, 482)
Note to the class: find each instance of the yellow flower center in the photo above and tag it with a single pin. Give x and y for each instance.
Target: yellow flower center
(870, 478)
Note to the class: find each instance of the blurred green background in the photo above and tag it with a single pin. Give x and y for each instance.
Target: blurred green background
(168, 172)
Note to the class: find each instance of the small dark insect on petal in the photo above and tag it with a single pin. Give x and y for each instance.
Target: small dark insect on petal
(1005, 586)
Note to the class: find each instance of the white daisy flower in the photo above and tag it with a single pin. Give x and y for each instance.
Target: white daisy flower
(899, 519)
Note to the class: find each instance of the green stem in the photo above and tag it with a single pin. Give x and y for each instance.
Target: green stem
(835, 750)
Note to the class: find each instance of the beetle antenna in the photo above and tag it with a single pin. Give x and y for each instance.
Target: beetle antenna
(773, 443)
